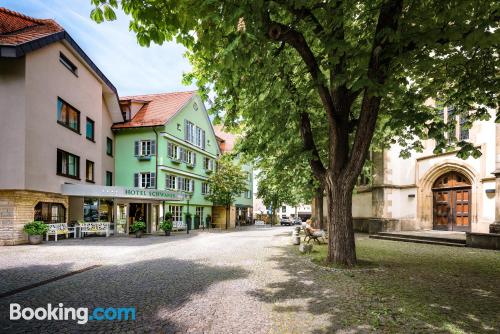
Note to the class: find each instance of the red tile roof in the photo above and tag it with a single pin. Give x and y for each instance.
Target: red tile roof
(228, 139)
(157, 109)
(16, 28)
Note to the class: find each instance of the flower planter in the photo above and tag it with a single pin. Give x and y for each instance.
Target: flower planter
(35, 239)
(139, 234)
(167, 233)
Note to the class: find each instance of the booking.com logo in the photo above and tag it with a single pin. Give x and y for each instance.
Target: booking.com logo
(80, 314)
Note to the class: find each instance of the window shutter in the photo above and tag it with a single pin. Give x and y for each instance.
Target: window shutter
(136, 150)
(183, 154)
(192, 185)
(170, 150)
(153, 147)
(203, 139)
(136, 179)
(194, 159)
(153, 180)
(186, 130)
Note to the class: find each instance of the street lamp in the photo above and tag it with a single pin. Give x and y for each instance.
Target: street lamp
(187, 197)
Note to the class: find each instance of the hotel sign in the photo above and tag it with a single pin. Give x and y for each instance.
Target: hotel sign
(87, 190)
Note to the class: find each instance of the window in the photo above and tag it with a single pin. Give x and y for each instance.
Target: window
(199, 138)
(205, 188)
(89, 130)
(68, 64)
(95, 210)
(109, 178)
(283, 209)
(145, 180)
(199, 213)
(176, 211)
(50, 213)
(68, 164)
(188, 131)
(185, 184)
(173, 151)
(89, 171)
(189, 157)
(109, 146)
(145, 148)
(464, 132)
(451, 119)
(208, 164)
(248, 194)
(171, 182)
(68, 116)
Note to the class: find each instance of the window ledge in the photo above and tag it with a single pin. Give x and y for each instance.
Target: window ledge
(90, 181)
(69, 128)
(89, 139)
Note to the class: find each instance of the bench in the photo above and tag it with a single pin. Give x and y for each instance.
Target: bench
(94, 227)
(59, 228)
(314, 235)
(260, 223)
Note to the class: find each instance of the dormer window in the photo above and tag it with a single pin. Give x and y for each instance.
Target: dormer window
(68, 64)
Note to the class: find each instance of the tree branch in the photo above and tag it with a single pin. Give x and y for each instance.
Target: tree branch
(309, 145)
(378, 71)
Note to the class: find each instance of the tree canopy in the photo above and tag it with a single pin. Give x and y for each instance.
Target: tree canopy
(355, 69)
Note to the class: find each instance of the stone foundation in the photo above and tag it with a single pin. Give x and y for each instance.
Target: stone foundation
(17, 207)
(483, 240)
(375, 225)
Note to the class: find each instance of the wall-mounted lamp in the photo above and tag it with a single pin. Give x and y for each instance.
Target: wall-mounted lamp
(411, 196)
(490, 191)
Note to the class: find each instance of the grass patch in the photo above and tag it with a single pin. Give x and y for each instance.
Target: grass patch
(420, 287)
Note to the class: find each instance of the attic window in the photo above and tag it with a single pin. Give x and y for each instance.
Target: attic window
(68, 64)
(195, 106)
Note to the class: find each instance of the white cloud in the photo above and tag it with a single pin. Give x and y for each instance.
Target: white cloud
(113, 48)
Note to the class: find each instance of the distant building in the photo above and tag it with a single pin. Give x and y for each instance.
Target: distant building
(242, 211)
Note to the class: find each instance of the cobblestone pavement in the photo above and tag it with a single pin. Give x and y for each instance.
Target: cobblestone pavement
(223, 282)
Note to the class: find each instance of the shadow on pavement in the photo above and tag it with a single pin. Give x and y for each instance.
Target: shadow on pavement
(158, 289)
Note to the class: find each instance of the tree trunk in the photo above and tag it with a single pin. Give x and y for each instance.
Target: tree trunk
(319, 207)
(228, 212)
(341, 245)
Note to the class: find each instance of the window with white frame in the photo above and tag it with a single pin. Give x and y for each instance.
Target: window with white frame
(199, 139)
(171, 182)
(145, 180)
(145, 148)
(208, 164)
(188, 185)
(189, 157)
(248, 194)
(176, 211)
(173, 151)
(205, 188)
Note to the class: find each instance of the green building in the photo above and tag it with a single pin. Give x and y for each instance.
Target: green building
(166, 142)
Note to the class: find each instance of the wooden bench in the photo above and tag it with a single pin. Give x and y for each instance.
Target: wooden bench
(94, 227)
(313, 236)
(59, 228)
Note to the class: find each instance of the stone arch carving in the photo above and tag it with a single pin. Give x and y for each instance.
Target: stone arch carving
(425, 183)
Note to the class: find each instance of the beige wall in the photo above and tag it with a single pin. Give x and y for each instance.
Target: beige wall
(12, 124)
(32, 133)
(402, 187)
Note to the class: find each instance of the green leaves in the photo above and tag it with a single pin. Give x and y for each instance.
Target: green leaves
(228, 181)
(97, 15)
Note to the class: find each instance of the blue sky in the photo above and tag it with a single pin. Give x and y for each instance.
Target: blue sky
(113, 48)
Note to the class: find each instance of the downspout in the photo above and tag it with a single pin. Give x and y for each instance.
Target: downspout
(156, 158)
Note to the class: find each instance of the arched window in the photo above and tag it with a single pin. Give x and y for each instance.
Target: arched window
(50, 213)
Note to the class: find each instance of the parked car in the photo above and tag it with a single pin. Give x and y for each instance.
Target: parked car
(286, 221)
(297, 221)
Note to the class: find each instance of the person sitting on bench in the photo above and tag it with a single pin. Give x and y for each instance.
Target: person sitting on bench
(313, 233)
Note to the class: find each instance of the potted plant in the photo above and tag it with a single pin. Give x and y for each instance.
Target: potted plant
(166, 225)
(138, 228)
(35, 231)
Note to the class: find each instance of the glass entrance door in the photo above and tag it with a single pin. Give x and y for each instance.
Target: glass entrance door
(121, 219)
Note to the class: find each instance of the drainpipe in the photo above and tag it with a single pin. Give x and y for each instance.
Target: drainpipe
(156, 158)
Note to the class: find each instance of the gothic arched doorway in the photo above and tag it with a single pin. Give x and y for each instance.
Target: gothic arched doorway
(452, 202)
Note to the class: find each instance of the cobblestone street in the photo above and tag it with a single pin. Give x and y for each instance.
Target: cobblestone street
(206, 282)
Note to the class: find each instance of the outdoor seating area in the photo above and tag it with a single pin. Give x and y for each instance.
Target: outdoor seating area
(79, 230)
